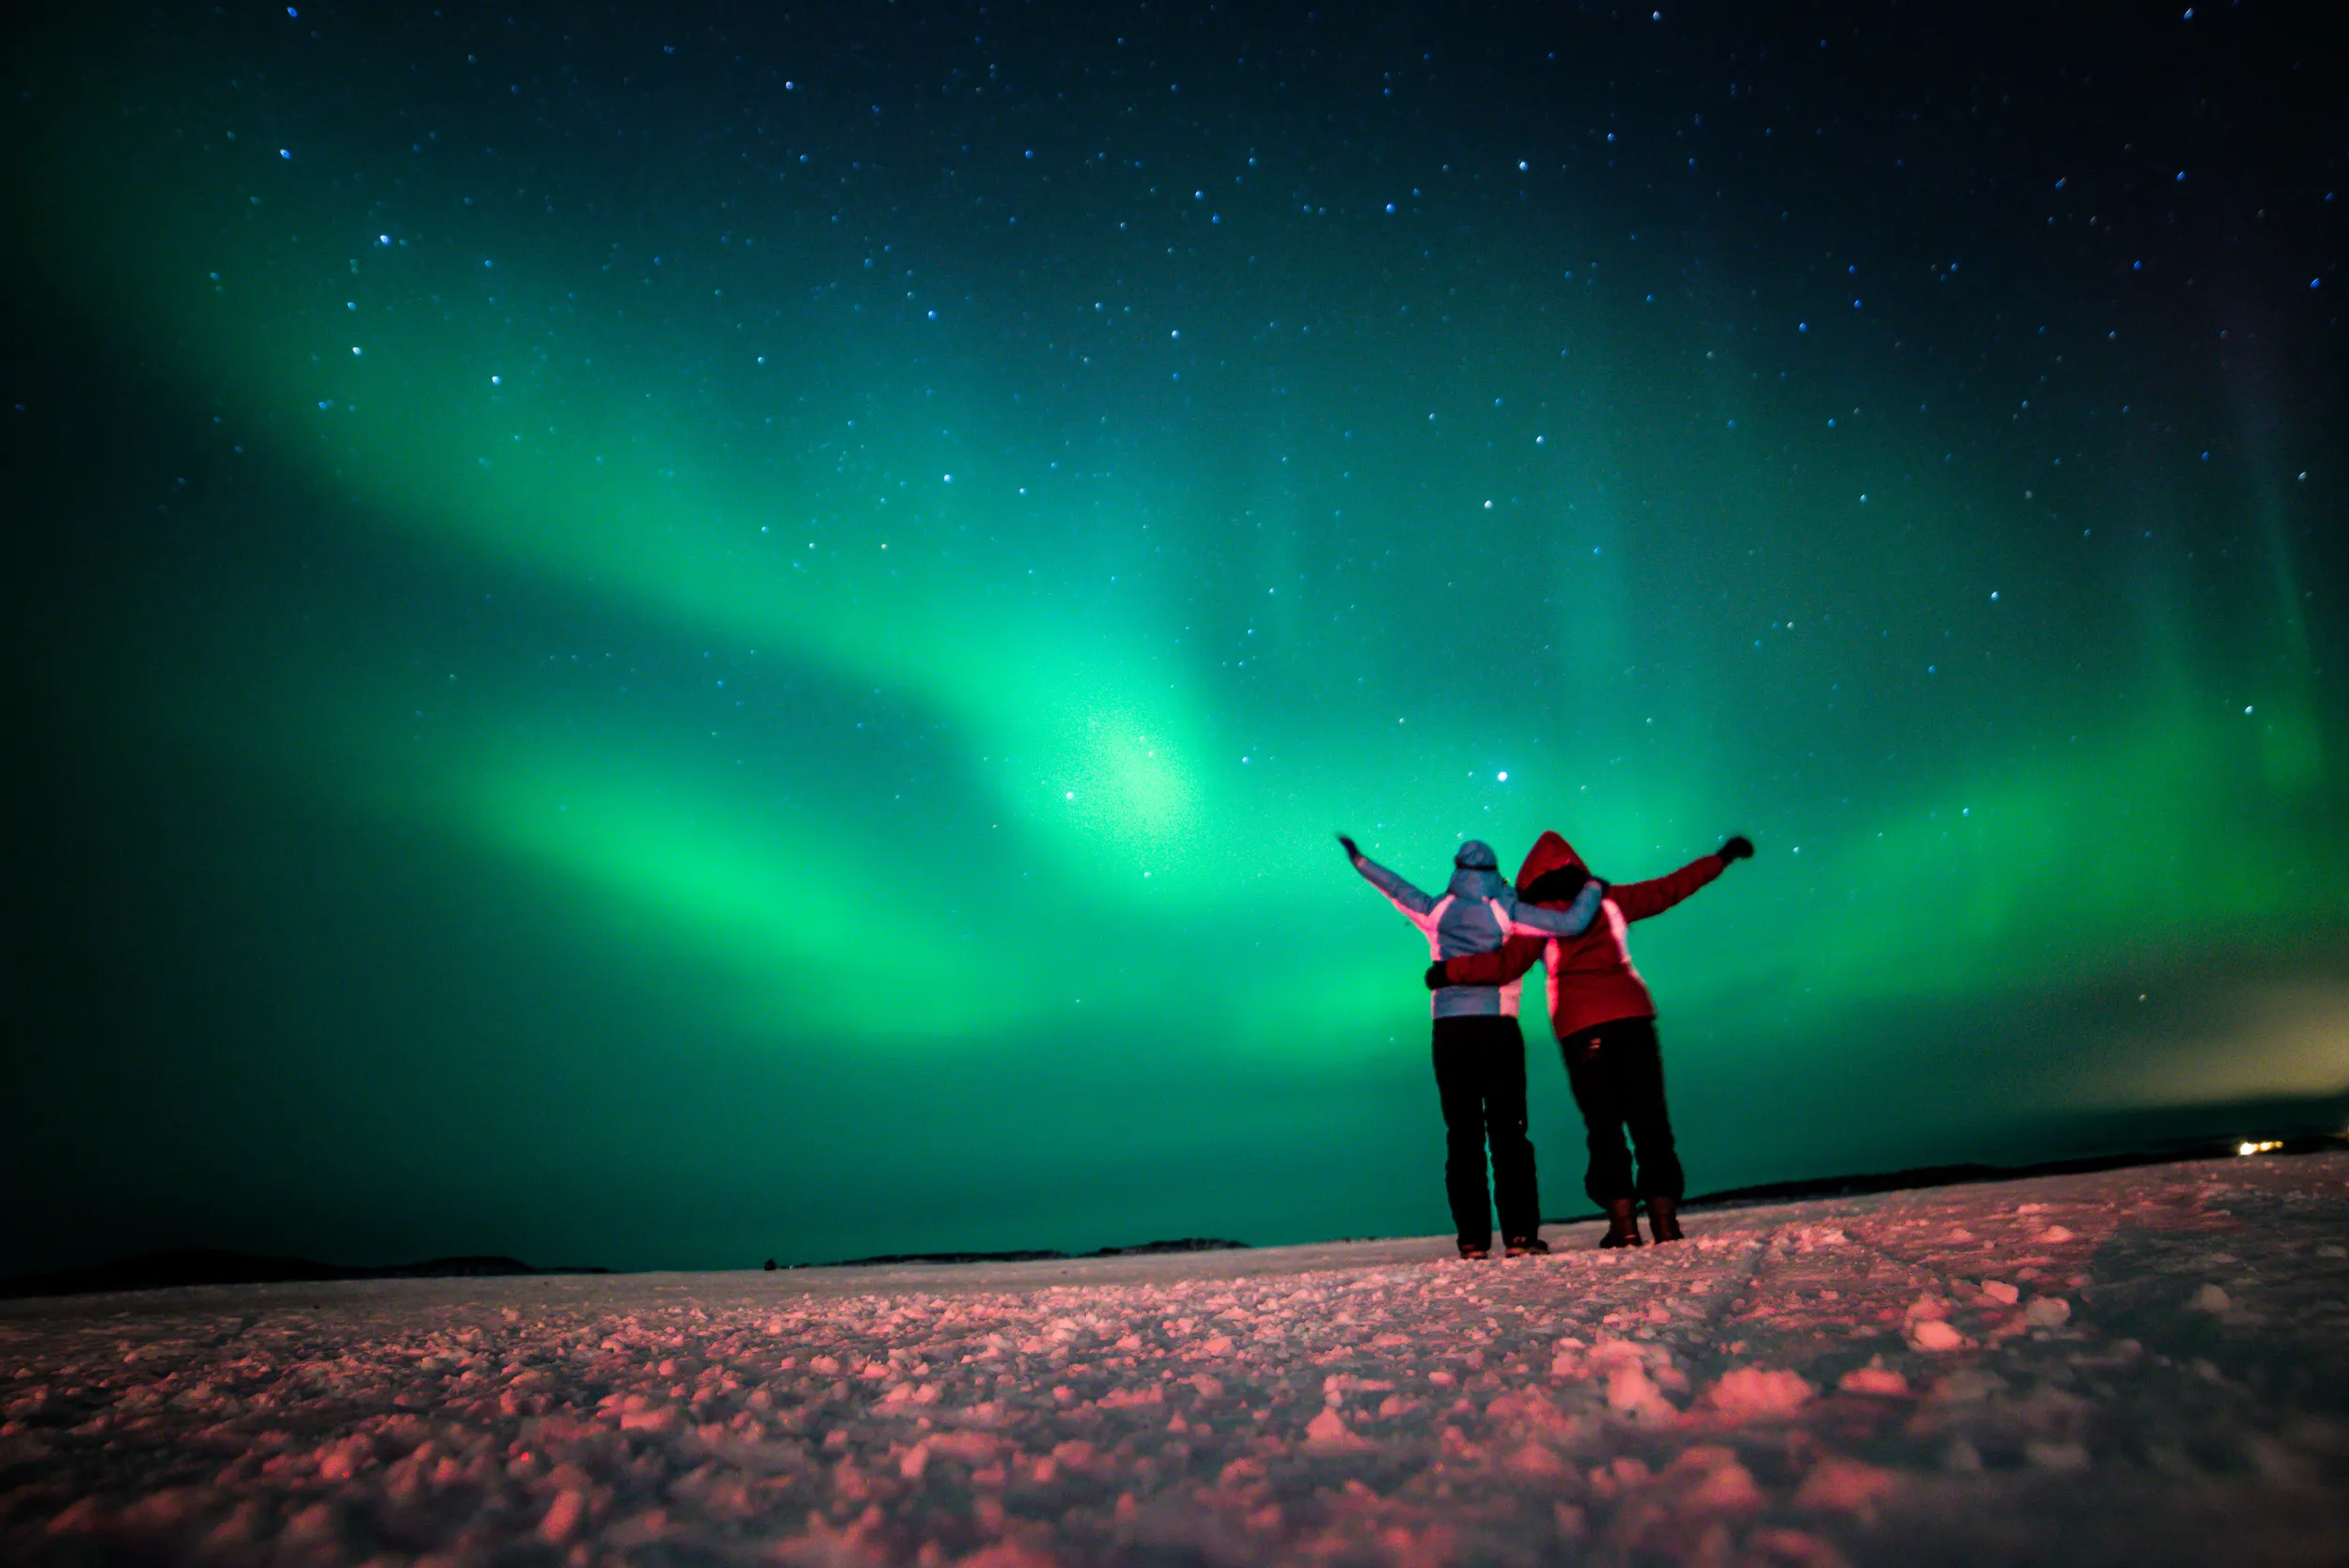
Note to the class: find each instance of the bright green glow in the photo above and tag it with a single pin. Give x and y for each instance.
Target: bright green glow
(2075, 865)
(646, 530)
(739, 890)
(952, 714)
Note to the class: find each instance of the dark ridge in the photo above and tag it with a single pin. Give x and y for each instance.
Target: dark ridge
(1970, 1173)
(1147, 1248)
(882, 1260)
(466, 1269)
(204, 1266)
(1186, 1244)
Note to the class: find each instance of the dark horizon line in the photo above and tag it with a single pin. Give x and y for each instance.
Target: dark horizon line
(181, 1267)
(176, 1268)
(1971, 1172)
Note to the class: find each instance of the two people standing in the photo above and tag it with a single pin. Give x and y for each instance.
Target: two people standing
(1479, 1051)
(1604, 1017)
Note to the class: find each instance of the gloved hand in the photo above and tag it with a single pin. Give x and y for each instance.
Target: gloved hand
(1354, 851)
(1435, 980)
(1739, 848)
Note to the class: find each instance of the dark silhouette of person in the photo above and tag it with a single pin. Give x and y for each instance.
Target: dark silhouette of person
(1606, 1025)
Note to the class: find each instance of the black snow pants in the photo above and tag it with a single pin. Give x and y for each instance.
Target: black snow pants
(1617, 1070)
(1479, 1073)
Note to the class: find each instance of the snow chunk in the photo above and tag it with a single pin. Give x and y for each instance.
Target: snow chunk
(1876, 1380)
(2047, 1312)
(2210, 1298)
(1006, 1554)
(1632, 1392)
(1842, 1485)
(1535, 1460)
(1759, 1393)
(562, 1516)
(1124, 1398)
(1328, 1434)
(1722, 1486)
(658, 1420)
(1933, 1333)
(1529, 1411)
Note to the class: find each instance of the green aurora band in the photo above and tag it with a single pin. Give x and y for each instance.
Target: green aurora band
(715, 672)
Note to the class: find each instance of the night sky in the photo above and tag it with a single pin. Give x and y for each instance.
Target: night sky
(663, 638)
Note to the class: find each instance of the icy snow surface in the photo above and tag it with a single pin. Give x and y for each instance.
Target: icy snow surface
(2138, 1367)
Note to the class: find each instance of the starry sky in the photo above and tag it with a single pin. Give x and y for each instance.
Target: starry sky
(667, 636)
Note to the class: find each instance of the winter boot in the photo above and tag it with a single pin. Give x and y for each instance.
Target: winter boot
(1521, 1246)
(1663, 1219)
(1472, 1252)
(1622, 1224)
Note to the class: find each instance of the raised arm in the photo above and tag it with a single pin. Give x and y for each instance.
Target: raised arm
(1640, 900)
(1399, 892)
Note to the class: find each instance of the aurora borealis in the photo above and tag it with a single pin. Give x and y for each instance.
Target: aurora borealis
(675, 636)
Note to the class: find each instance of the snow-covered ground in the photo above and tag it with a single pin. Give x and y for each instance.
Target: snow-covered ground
(2139, 1367)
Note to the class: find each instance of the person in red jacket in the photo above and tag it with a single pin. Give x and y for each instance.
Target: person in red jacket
(1606, 1025)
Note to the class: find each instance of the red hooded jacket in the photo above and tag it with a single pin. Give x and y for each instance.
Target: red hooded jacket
(1592, 979)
